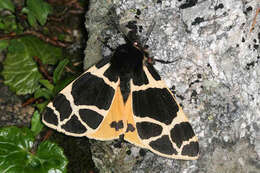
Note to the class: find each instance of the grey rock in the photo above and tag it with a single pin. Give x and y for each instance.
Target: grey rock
(210, 39)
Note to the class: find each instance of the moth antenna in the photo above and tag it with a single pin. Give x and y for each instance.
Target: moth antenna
(151, 60)
(116, 25)
(149, 31)
(165, 62)
(131, 36)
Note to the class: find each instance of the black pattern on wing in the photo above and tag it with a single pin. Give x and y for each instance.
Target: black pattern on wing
(155, 103)
(92, 90)
(81, 107)
(155, 108)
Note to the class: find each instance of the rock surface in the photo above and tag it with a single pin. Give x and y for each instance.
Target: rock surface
(216, 78)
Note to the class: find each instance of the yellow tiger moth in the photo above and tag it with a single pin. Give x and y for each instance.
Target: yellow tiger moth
(124, 96)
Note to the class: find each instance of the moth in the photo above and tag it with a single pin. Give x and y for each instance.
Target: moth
(124, 96)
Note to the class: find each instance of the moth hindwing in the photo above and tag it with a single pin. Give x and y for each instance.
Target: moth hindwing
(122, 95)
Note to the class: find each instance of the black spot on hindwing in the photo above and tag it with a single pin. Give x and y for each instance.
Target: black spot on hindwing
(163, 145)
(117, 125)
(147, 130)
(130, 128)
(92, 90)
(74, 126)
(91, 118)
(181, 132)
(155, 103)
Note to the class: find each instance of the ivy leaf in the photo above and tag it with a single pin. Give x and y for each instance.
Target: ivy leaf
(7, 4)
(16, 155)
(47, 53)
(20, 70)
(52, 157)
(58, 71)
(36, 124)
(39, 9)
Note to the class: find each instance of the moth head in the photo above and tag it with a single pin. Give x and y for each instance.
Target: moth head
(132, 55)
(128, 53)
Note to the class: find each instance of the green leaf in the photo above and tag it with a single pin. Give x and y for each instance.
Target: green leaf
(3, 44)
(43, 92)
(47, 53)
(41, 106)
(7, 4)
(36, 124)
(39, 9)
(58, 71)
(8, 23)
(53, 156)
(32, 20)
(20, 70)
(47, 84)
(25, 10)
(62, 84)
(16, 156)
